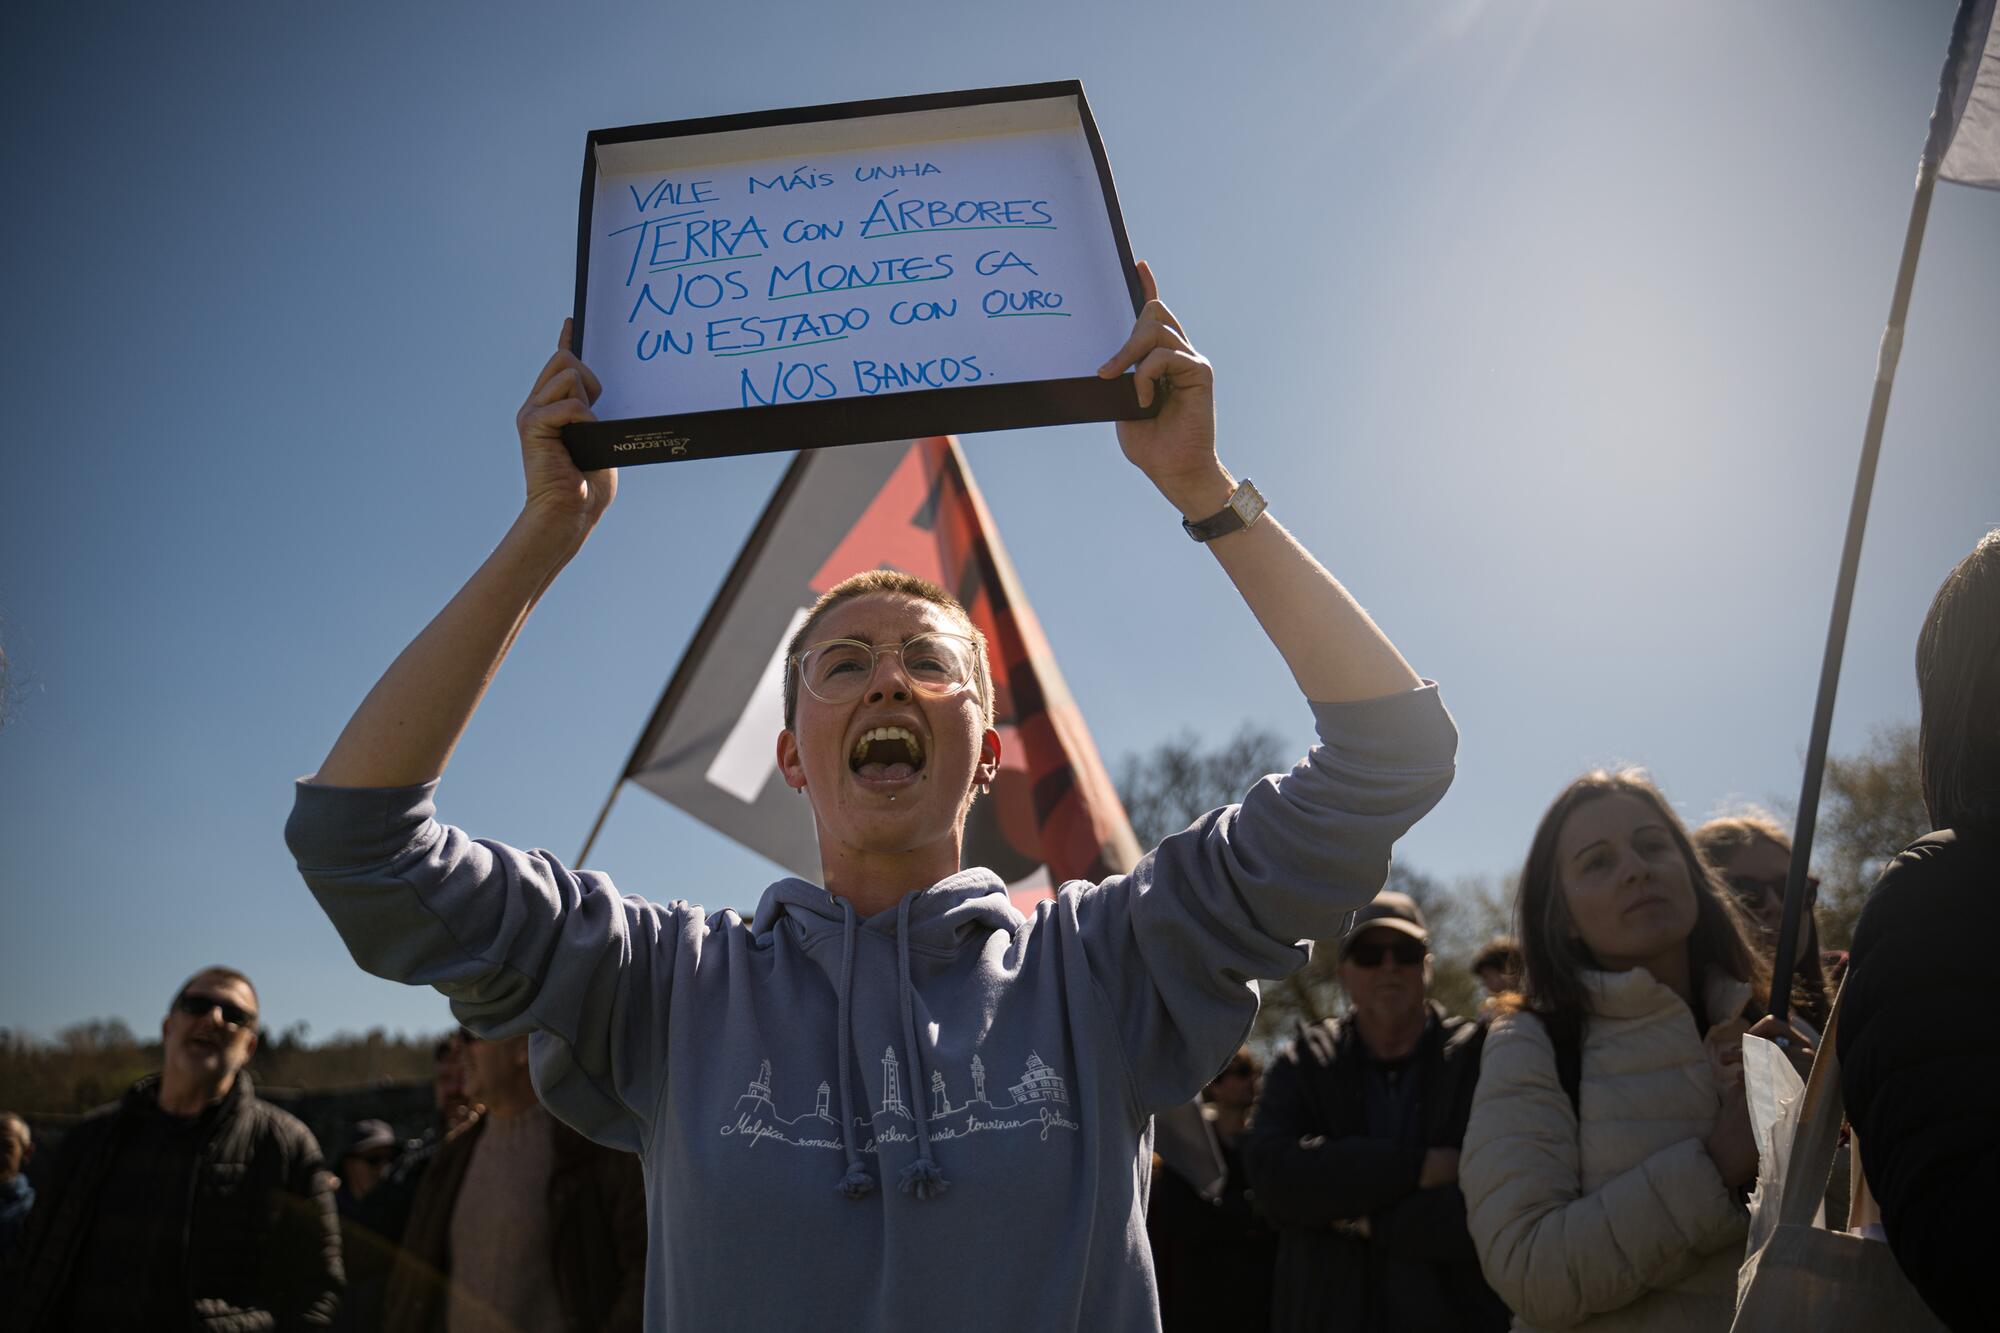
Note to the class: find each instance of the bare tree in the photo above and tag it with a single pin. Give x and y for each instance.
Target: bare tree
(1178, 781)
(1873, 808)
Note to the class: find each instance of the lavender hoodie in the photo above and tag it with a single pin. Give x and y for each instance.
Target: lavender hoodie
(934, 1117)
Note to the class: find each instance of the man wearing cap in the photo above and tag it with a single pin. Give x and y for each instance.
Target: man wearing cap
(1353, 1150)
(366, 1247)
(371, 1146)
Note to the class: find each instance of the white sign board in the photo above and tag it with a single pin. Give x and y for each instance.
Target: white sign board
(843, 274)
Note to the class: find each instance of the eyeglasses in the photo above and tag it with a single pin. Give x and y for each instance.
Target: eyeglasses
(1240, 1069)
(1752, 893)
(938, 664)
(200, 1006)
(1369, 953)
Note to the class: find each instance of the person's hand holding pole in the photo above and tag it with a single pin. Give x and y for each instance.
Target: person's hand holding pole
(1791, 1039)
(405, 730)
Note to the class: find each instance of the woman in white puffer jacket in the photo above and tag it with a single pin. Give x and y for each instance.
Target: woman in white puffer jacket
(1604, 1185)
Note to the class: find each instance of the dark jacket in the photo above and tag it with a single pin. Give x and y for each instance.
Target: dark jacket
(597, 1220)
(1212, 1259)
(258, 1242)
(371, 1229)
(1920, 1066)
(1317, 1173)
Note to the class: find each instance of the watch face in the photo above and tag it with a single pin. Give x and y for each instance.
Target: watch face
(1247, 503)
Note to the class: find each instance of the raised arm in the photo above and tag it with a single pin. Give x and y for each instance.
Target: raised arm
(1334, 650)
(405, 730)
(515, 939)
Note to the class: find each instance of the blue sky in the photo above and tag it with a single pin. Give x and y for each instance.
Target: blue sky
(1549, 326)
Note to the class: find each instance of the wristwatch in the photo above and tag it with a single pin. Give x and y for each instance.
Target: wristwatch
(1244, 507)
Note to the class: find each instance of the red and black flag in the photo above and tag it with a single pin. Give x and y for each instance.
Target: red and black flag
(710, 747)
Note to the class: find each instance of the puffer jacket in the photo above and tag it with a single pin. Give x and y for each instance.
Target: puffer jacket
(1623, 1223)
(260, 1244)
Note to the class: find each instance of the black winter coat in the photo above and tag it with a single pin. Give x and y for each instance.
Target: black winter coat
(259, 1243)
(1317, 1173)
(1920, 1066)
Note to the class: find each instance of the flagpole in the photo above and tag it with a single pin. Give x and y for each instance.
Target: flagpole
(598, 827)
(1942, 118)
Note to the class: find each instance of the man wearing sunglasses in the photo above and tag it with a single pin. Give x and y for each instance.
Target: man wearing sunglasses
(1354, 1147)
(190, 1203)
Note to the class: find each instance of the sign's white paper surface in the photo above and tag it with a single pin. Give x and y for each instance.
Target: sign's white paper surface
(848, 259)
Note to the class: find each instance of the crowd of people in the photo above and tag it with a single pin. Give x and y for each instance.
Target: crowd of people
(1579, 1154)
(192, 1203)
(1576, 1155)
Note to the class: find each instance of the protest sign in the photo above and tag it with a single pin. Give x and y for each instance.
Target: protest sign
(840, 274)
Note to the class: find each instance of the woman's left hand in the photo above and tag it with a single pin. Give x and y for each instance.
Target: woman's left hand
(1791, 1039)
(1176, 449)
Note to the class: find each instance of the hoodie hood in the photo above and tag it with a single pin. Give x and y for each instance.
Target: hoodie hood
(970, 902)
(934, 921)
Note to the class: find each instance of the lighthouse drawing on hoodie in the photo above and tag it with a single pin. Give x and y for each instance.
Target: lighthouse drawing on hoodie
(1040, 1101)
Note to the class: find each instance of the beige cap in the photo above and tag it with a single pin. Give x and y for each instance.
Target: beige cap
(1390, 911)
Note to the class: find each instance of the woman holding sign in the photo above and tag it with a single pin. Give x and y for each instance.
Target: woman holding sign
(925, 1109)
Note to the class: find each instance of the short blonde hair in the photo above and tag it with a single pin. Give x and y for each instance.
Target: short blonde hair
(886, 583)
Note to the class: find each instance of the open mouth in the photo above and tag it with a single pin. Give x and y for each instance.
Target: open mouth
(887, 754)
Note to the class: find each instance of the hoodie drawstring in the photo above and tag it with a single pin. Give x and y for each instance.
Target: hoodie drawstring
(921, 1177)
(857, 1183)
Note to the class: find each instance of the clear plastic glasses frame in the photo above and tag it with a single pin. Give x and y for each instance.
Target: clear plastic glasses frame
(938, 664)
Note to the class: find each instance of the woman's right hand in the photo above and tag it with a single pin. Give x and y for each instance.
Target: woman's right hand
(558, 493)
(1731, 1143)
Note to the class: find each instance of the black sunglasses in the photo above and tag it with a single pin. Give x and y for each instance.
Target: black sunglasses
(1369, 953)
(200, 1006)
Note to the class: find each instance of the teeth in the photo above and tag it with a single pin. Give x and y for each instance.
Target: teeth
(902, 734)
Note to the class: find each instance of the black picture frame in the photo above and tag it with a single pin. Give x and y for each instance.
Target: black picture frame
(683, 436)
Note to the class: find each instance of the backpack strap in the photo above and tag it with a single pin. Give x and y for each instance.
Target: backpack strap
(1565, 1031)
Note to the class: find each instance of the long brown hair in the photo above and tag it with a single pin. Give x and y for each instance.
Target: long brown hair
(1958, 682)
(1552, 984)
(1720, 841)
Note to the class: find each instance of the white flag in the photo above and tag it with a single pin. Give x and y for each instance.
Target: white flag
(1972, 82)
